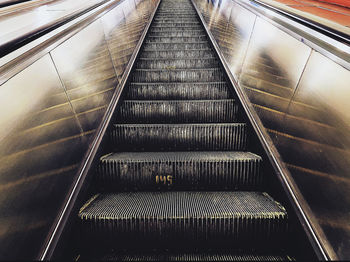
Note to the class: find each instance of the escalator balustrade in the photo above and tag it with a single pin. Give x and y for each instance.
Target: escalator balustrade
(179, 183)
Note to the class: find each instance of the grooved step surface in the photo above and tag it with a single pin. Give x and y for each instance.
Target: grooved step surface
(175, 46)
(178, 75)
(202, 256)
(184, 216)
(183, 39)
(180, 170)
(170, 33)
(168, 137)
(177, 111)
(166, 63)
(205, 90)
(179, 54)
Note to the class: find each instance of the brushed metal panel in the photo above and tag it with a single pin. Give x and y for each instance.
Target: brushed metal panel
(38, 131)
(86, 69)
(272, 68)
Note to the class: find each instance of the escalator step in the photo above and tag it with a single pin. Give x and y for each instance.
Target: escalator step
(166, 63)
(164, 39)
(206, 90)
(178, 75)
(178, 54)
(185, 217)
(180, 170)
(179, 137)
(157, 24)
(177, 111)
(171, 33)
(226, 256)
(150, 46)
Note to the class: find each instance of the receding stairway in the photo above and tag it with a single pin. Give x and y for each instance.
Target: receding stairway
(179, 184)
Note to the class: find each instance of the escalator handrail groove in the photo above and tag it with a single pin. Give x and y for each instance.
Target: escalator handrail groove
(12, 2)
(50, 245)
(322, 28)
(22, 61)
(323, 39)
(16, 43)
(315, 234)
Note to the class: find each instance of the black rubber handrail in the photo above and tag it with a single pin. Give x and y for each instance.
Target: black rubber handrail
(12, 2)
(34, 34)
(319, 27)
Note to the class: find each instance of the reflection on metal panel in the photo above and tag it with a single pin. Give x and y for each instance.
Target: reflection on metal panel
(270, 74)
(38, 125)
(87, 73)
(324, 143)
(301, 97)
(49, 113)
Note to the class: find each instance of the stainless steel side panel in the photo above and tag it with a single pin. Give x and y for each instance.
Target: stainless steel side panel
(49, 113)
(301, 97)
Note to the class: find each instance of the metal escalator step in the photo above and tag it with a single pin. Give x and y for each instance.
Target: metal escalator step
(184, 39)
(177, 111)
(171, 33)
(166, 63)
(180, 171)
(178, 75)
(205, 90)
(215, 255)
(174, 29)
(171, 54)
(162, 19)
(189, 218)
(149, 46)
(176, 24)
(179, 137)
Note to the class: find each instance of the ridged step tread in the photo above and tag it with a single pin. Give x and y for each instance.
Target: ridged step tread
(205, 90)
(171, 33)
(174, 29)
(178, 75)
(179, 137)
(189, 218)
(166, 63)
(177, 111)
(178, 54)
(218, 255)
(179, 171)
(175, 46)
(167, 39)
(176, 24)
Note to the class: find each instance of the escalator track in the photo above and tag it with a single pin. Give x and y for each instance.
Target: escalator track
(178, 182)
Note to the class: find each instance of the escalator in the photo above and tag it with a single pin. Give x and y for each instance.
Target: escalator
(180, 180)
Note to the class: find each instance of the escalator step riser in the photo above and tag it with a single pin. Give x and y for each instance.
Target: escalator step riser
(179, 171)
(174, 19)
(165, 39)
(176, 63)
(192, 257)
(189, 218)
(178, 75)
(173, 46)
(175, 91)
(157, 24)
(177, 111)
(179, 137)
(178, 54)
(180, 29)
(171, 33)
